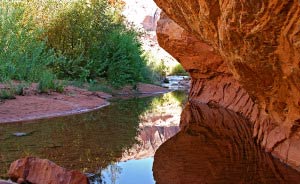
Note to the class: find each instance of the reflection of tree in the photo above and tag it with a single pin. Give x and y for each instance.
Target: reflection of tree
(115, 170)
(81, 142)
(164, 110)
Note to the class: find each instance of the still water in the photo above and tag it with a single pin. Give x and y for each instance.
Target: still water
(113, 144)
(138, 141)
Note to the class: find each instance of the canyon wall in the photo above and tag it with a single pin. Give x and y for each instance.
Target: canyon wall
(245, 56)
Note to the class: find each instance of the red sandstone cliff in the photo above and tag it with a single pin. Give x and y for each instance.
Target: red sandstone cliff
(245, 56)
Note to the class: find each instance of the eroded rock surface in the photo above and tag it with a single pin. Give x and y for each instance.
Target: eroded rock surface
(242, 55)
(215, 146)
(41, 171)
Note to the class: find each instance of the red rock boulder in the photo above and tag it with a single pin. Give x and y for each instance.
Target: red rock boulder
(43, 171)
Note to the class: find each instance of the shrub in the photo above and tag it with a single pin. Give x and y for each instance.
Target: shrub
(99, 87)
(76, 40)
(120, 58)
(6, 94)
(96, 45)
(178, 70)
(23, 55)
(157, 70)
(19, 89)
(48, 83)
(78, 27)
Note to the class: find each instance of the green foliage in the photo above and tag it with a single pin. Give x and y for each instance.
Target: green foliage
(100, 87)
(107, 49)
(23, 56)
(19, 89)
(96, 44)
(78, 27)
(12, 89)
(6, 94)
(157, 69)
(94, 41)
(74, 40)
(48, 83)
(123, 63)
(178, 70)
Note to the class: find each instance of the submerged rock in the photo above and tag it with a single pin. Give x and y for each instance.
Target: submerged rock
(43, 171)
(20, 134)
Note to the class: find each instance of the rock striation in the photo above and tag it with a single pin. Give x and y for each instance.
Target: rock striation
(245, 56)
(40, 171)
(215, 146)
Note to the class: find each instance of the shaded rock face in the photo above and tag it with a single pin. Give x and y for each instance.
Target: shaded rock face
(40, 171)
(215, 146)
(242, 55)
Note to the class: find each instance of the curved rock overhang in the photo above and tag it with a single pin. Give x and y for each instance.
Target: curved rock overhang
(245, 56)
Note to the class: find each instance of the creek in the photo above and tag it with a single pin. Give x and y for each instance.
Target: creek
(139, 141)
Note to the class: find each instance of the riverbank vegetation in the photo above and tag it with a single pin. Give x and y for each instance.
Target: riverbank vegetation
(52, 41)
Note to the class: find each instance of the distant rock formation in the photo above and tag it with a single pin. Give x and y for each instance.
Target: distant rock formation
(144, 15)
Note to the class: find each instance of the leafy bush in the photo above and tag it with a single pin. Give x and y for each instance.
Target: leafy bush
(178, 70)
(99, 87)
(96, 46)
(122, 63)
(6, 94)
(75, 40)
(23, 56)
(78, 27)
(157, 70)
(19, 89)
(48, 83)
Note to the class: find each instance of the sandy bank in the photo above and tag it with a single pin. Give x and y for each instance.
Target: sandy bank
(73, 100)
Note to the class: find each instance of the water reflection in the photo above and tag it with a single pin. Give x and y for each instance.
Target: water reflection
(98, 140)
(129, 172)
(216, 146)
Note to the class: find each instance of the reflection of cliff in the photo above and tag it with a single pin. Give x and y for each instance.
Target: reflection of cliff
(216, 146)
(157, 124)
(150, 138)
(94, 140)
(165, 111)
(82, 142)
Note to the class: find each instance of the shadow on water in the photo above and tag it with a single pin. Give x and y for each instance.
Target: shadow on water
(216, 146)
(94, 141)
